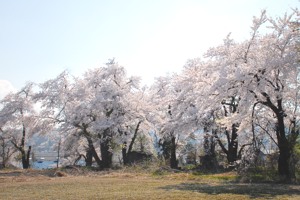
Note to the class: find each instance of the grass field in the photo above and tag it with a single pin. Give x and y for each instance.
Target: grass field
(32, 184)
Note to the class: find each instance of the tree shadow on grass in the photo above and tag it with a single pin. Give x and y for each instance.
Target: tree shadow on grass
(251, 190)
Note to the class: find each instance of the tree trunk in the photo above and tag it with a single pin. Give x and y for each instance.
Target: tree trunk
(25, 158)
(285, 164)
(3, 153)
(134, 137)
(232, 144)
(28, 156)
(166, 146)
(124, 153)
(93, 152)
(209, 161)
(232, 154)
(285, 152)
(106, 154)
(58, 153)
(89, 158)
(173, 160)
(24, 163)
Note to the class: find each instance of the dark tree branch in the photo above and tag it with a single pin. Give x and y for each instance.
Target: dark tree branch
(134, 137)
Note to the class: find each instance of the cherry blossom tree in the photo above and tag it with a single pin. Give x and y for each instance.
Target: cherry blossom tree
(62, 106)
(137, 125)
(18, 121)
(6, 148)
(261, 72)
(96, 107)
(176, 114)
(110, 90)
(163, 96)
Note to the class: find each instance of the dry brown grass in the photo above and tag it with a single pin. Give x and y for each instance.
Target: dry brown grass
(32, 184)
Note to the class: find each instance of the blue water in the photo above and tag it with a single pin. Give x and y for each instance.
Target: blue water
(44, 165)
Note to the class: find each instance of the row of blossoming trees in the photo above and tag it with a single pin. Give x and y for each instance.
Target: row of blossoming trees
(242, 95)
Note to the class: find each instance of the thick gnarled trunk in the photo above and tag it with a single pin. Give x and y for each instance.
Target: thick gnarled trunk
(25, 158)
(285, 163)
(106, 154)
(91, 153)
(173, 159)
(232, 154)
(126, 152)
(285, 144)
(231, 151)
(169, 146)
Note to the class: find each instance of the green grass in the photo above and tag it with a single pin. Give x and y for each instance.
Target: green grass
(130, 185)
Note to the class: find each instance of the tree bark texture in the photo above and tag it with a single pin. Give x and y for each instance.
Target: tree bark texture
(173, 160)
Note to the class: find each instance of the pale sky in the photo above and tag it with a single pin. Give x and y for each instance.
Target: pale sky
(40, 39)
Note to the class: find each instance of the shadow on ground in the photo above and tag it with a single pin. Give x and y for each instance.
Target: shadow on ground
(251, 190)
